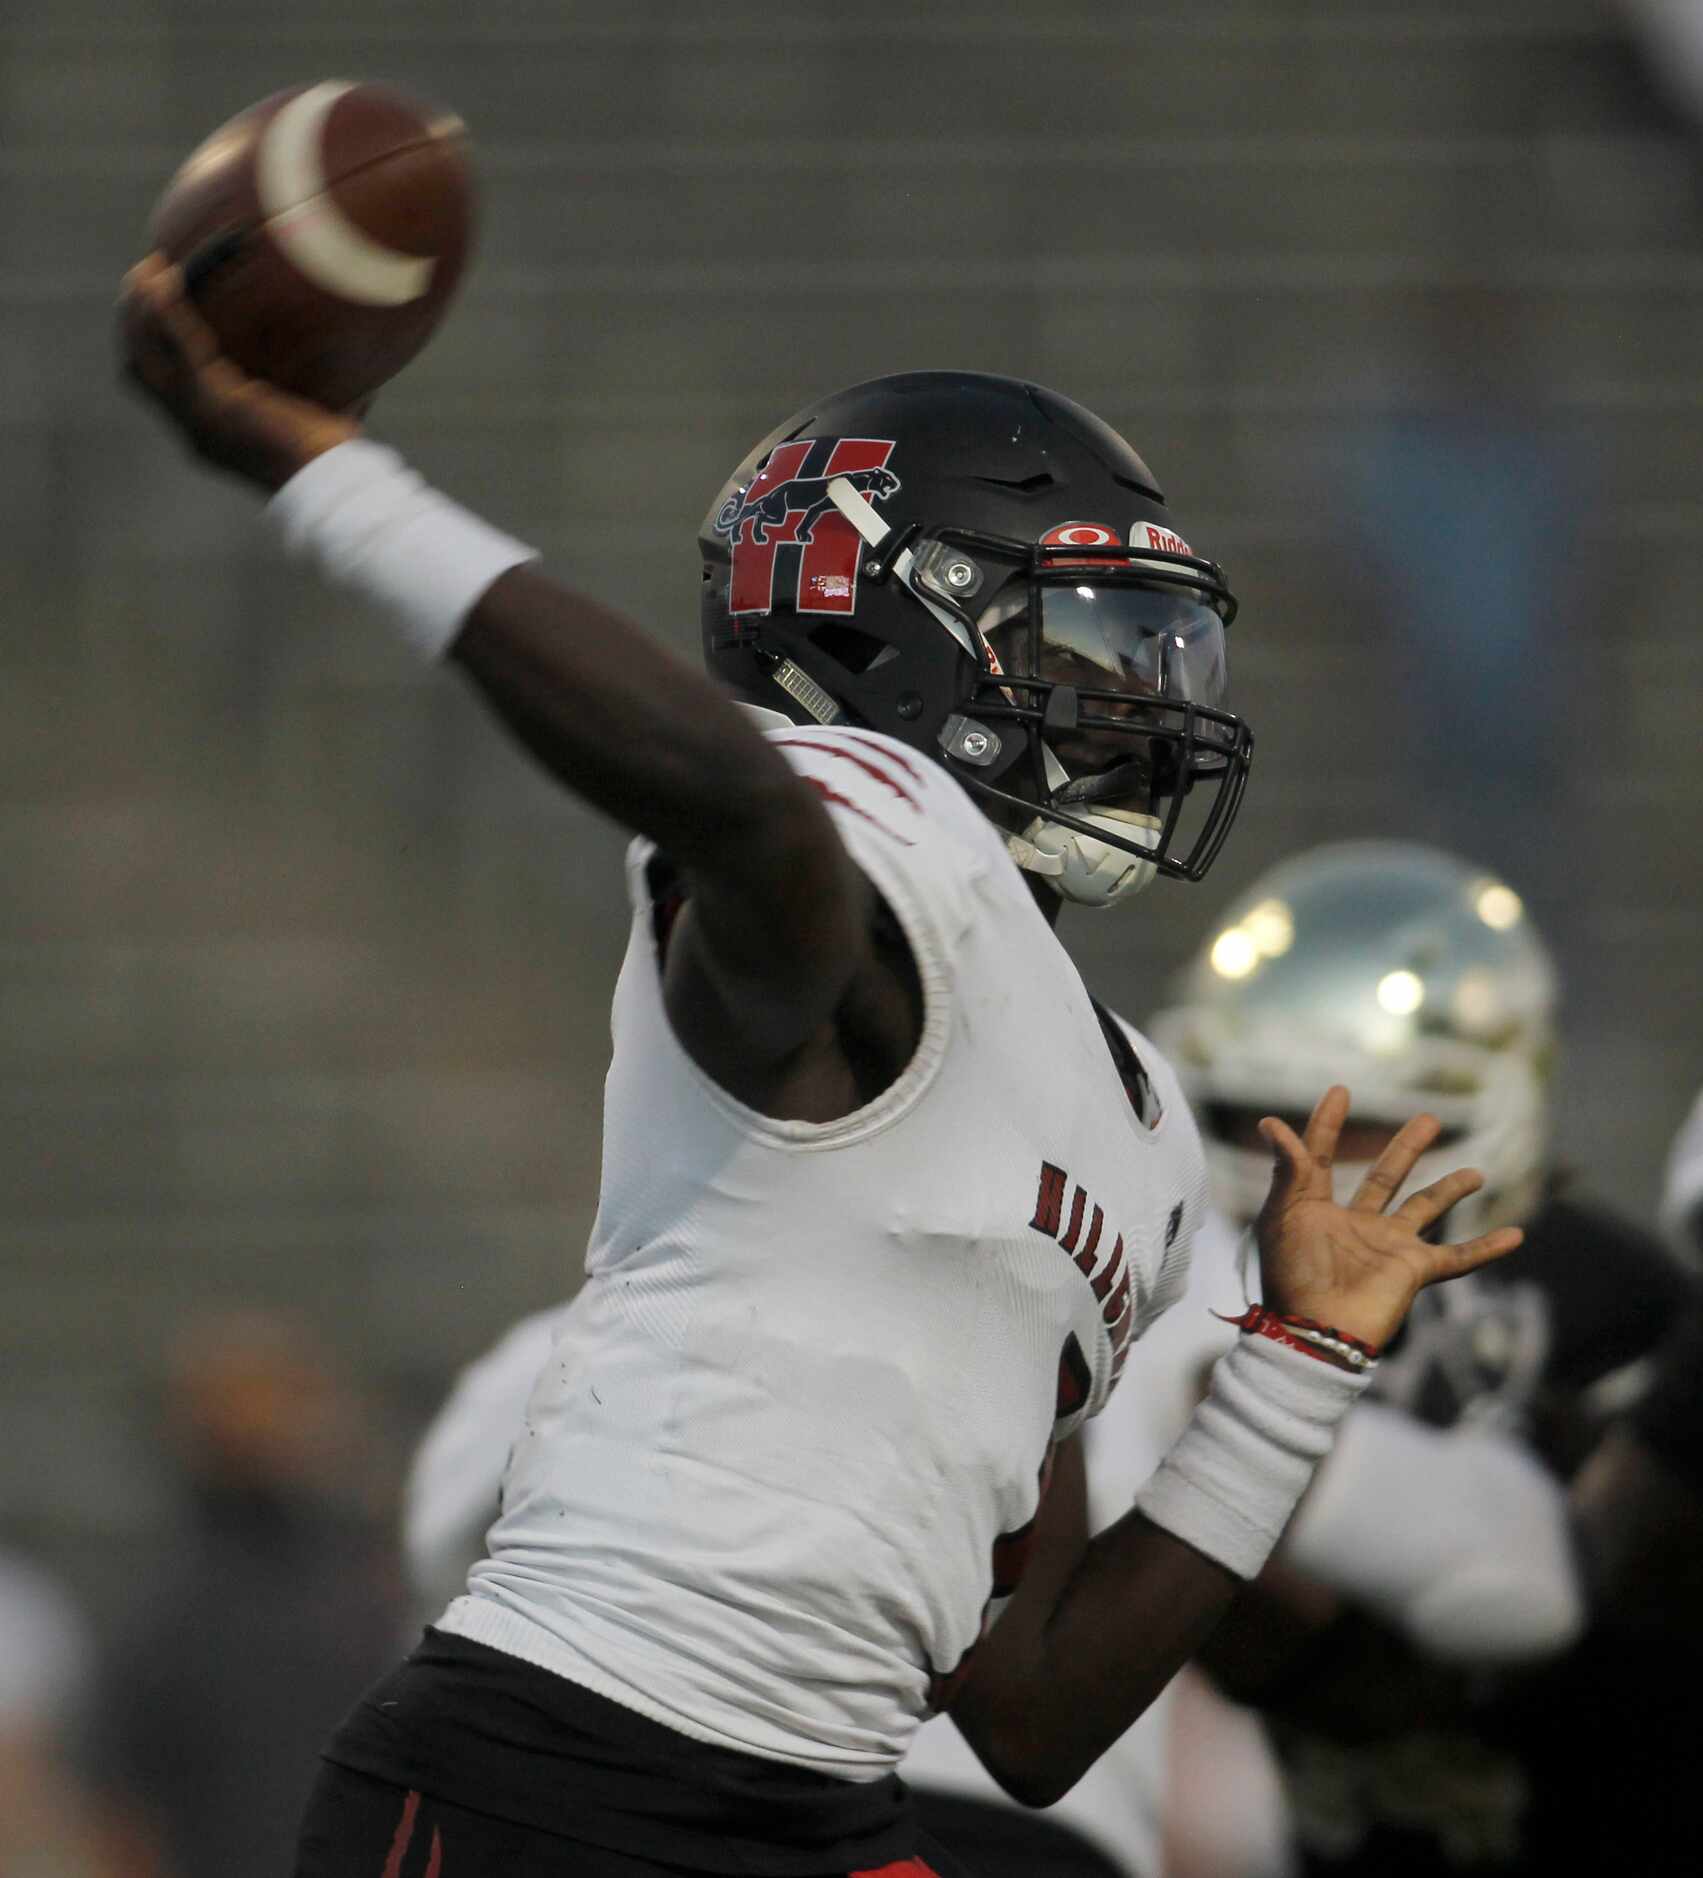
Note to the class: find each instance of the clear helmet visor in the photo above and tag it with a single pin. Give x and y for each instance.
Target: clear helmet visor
(1142, 643)
(1150, 641)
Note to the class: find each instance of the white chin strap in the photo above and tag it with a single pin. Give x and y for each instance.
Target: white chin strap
(1082, 870)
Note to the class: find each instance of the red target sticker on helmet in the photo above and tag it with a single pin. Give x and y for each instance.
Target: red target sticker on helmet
(1082, 535)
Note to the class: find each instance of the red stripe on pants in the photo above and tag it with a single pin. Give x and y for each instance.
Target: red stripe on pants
(404, 1832)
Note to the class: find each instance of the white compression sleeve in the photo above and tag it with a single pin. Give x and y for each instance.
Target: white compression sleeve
(1458, 1537)
(369, 524)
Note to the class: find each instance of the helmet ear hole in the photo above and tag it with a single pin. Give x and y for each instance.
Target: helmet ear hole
(849, 647)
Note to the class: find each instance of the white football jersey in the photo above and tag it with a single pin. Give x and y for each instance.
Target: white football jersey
(1124, 1802)
(777, 1472)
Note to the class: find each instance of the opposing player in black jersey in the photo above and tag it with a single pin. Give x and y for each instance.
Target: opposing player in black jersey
(887, 1199)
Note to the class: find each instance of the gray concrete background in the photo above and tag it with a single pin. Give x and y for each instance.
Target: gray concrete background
(303, 975)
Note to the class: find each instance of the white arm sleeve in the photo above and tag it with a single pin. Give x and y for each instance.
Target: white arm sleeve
(455, 1481)
(1458, 1537)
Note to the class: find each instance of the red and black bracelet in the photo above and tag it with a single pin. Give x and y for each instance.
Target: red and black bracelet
(1302, 1333)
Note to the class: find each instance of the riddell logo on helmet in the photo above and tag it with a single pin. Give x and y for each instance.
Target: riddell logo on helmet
(1145, 535)
(788, 512)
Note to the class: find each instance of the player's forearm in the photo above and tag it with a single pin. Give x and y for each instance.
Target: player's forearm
(1096, 1631)
(1051, 1691)
(608, 710)
(775, 898)
(632, 729)
(616, 718)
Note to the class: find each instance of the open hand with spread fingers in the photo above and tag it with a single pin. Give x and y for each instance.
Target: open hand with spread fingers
(1358, 1267)
(229, 419)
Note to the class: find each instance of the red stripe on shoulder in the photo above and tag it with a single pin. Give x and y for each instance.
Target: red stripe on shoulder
(845, 802)
(905, 761)
(866, 763)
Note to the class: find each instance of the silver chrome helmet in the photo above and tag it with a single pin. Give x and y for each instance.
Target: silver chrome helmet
(1410, 976)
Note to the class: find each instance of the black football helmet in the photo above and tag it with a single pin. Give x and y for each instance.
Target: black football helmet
(986, 571)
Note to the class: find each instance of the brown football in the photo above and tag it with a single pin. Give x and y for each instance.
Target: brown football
(322, 233)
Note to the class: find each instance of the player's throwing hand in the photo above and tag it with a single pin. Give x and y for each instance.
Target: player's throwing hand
(229, 419)
(1356, 1267)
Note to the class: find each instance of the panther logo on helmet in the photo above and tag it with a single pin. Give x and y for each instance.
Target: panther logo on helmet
(787, 505)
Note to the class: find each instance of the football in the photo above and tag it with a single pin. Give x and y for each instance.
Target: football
(322, 232)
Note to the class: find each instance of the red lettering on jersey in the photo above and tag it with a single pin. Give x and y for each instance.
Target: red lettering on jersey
(1108, 1277)
(1073, 1231)
(1111, 1283)
(1085, 1265)
(1049, 1202)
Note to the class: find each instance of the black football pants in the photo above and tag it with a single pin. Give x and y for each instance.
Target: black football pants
(358, 1827)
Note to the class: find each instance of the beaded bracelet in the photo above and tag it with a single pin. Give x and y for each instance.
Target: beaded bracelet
(1302, 1333)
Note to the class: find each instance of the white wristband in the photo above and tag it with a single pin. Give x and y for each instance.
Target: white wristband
(1237, 1472)
(368, 523)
